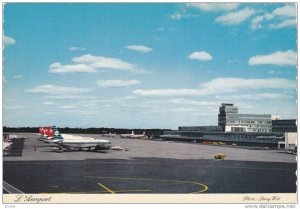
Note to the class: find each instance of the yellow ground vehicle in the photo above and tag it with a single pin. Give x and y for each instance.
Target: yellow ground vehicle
(220, 156)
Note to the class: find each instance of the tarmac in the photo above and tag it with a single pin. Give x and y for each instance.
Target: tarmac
(149, 166)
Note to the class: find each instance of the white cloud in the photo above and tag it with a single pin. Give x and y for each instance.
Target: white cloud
(281, 14)
(214, 6)
(8, 40)
(193, 102)
(256, 22)
(56, 90)
(222, 85)
(116, 83)
(259, 96)
(48, 103)
(202, 55)
(235, 18)
(68, 107)
(89, 64)
(176, 16)
(104, 62)
(167, 92)
(284, 24)
(182, 14)
(76, 68)
(271, 72)
(139, 48)
(76, 48)
(278, 58)
(18, 76)
(288, 10)
(235, 84)
(118, 99)
(269, 16)
(69, 97)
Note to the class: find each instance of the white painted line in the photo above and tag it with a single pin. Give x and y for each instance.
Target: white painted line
(11, 189)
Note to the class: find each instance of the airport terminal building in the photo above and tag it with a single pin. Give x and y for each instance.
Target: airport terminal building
(241, 129)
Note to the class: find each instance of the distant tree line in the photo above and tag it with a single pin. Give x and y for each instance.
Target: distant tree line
(102, 130)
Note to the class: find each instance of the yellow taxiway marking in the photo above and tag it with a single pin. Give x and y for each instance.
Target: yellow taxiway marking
(104, 187)
(205, 188)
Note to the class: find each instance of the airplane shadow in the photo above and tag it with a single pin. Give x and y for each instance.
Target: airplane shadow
(60, 151)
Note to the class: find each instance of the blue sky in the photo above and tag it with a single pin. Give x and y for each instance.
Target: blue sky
(146, 65)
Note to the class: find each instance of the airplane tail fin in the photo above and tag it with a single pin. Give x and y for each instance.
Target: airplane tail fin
(57, 136)
(50, 132)
(41, 131)
(46, 131)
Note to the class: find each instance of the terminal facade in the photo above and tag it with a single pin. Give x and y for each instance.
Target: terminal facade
(241, 129)
(231, 121)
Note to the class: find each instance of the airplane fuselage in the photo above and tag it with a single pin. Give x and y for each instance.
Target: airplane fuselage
(96, 143)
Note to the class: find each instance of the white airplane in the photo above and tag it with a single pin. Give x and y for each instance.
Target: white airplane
(46, 135)
(127, 135)
(139, 136)
(79, 144)
(134, 136)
